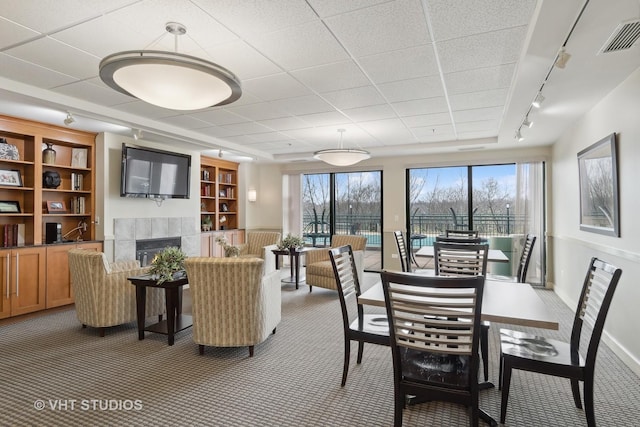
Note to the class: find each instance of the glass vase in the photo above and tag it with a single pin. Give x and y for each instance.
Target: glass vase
(49, 154)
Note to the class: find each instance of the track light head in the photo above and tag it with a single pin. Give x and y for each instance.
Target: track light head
(528, 123)
(562, 58)
(538, 101)
(137, 134)
(70, 119)
(519, 136)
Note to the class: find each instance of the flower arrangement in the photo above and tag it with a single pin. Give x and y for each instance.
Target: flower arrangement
(291, 242)
(167, 262)
(229, 250)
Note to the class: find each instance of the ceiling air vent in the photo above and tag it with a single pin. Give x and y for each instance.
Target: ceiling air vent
(623, 37)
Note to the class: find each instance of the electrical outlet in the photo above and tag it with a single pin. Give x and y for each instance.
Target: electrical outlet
(97, 221)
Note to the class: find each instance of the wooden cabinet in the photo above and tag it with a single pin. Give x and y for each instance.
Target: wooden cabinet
(29, 202)
(59, 289)
(22, 273)
(210, 248)
(219, 193)
(38, 187)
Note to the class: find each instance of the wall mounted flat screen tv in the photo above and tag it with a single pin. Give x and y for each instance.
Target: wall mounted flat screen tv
(154, 174)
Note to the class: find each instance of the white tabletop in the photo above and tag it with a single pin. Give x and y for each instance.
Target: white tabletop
(494, 255)
(503, 302)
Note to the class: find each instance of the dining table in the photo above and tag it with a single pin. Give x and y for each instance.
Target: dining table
(503, 302)
(494, 255)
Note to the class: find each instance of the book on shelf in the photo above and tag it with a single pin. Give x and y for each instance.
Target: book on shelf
(13, 235)
(76, 181)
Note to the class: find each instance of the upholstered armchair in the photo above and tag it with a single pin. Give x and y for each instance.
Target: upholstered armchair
(319, 270)
(233, 303)
(104, 296)
(260, 245)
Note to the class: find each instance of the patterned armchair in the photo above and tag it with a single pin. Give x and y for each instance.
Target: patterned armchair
(233, 303)
(260, 245)
(104, 296)
(319, 269)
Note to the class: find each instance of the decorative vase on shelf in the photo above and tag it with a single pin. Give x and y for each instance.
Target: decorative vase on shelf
(49, 154)
(8, 151)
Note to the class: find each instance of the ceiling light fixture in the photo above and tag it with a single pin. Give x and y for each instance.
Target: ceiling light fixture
(538, 101)
(519, 136)
(528, 123)
(170, 79)
(341, 156)
(137, 134)
(562, 58)
(70, 119)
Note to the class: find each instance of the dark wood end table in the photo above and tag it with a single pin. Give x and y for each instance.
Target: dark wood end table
(176, 321)
(294, 261)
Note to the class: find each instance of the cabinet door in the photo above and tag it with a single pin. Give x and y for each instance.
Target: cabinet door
(59, 289)
(205, 244)
(5, 298)
(29, 279)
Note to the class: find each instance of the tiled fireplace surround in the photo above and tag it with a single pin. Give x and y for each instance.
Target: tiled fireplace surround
(128, 230)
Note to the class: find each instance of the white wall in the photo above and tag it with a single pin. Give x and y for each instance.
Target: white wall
(109, 204)
(266, 212)
(572, 248)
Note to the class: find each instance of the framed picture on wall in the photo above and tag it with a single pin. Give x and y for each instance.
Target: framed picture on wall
(598, 171)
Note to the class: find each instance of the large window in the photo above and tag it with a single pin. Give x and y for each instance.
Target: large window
(500, 201)
(344, 203)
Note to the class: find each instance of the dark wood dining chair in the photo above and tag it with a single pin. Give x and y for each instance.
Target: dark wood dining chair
(465, 259)
(472, 240)
(357, 326)
(561, 359)
(434, 339)
(523, 264)
(407, 257)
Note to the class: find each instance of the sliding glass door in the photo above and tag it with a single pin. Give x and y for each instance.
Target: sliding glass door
(344, 203)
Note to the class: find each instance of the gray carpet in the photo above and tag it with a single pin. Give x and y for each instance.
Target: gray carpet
(293, 379)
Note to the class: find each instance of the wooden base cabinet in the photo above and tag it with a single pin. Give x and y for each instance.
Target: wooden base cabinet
(59, 289)
(210, 248)
(22, 272)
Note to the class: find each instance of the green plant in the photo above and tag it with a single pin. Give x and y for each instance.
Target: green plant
(229, 250)
(291, 242)
(167, 262)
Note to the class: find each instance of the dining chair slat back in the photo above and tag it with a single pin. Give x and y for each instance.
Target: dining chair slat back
(460, 259)
(434, 336)
(403, 254)
(357, 326)
(533, 353)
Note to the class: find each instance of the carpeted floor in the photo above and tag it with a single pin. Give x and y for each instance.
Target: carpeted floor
(293, 379)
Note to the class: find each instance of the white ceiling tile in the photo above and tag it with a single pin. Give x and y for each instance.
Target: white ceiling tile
(436, 131)
(427, 120)
(325, 119)
(11, 33)
(143, 109)
(287, 49)
(480, 79)
(375, 112)
(388, 131)
(381, 28)
(400, 64)
(26, 72)
(332, 77)
(218, 117)
(269, 137)
(246, 128)
(46, 16)
(477, 114)
(489, 98)
(242, 60)
(47, 52)
(407, 90)
(437, 137)
(259, 111)
(303, 105)
(286, 123)
(326, 8)
(482, 125)
(483, 50)
(421, 106)
(476, 134)
(459, 19)
(185, 121)
(248, 18)
(93, 93)
(215, 131)
(277, 86)
(354, 97)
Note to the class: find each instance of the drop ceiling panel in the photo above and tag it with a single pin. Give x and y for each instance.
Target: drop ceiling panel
(332, 77)
(286, 48)
(421, 106)
(11, 33)
(259, 111)
(480, 79)
(219, 117)
(375, 112)
(325, 119)
(246, 128)
(93, 93)
(427, 120)
(326, 8)
(400, 64)
(26, 72)
(47, 53)
(242, 60)
(489, 98)
(381, 28)
(426, 132)
(308, 104)
(277, 86)
(407, 90)
(286, 123)
(477, 114)
(354, 97)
